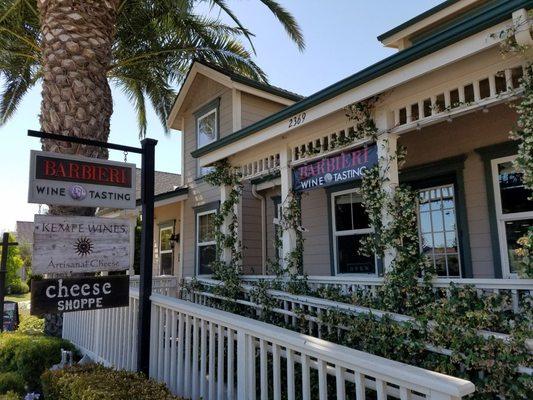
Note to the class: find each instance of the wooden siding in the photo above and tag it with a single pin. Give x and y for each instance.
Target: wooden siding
(254, 108)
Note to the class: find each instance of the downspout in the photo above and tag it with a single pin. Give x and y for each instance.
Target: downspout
(263, 227)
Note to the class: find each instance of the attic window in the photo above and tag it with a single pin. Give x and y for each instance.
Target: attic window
(207, 125)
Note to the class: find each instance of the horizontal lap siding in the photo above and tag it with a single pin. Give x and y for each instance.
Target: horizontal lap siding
(462, 136)
(315, 221)
(254, 108)
(202, 92)
(250, 228)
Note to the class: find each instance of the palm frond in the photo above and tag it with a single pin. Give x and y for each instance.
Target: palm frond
(288, 21)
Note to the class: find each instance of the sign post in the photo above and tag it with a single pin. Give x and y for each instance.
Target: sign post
(147, 198)
(3, 271)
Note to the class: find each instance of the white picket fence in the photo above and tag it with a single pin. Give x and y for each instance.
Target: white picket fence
(204, 353)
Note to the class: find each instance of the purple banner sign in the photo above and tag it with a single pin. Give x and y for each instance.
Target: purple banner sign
(340, 168)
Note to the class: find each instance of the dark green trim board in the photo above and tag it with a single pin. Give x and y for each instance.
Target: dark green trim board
(168, 195)
(487, 154)
(446, 171)
(215, 206)
(416, 19)
(485, 17)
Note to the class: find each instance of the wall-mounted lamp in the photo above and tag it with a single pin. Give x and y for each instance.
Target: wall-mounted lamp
(174, 239)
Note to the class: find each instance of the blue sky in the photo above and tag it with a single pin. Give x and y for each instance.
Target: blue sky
(340, 40)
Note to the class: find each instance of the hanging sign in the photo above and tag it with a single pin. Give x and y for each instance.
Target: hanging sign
(80, 244)
(67, 180)
(79, 294)
(342, 167)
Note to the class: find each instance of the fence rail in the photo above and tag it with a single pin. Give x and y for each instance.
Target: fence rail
(520, 290)
(201, 352)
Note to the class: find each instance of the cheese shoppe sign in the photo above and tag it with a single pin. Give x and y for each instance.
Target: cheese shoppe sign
(67, 180)
(343, 167)
(79, 294)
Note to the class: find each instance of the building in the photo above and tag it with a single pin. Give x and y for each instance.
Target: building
(444, 95)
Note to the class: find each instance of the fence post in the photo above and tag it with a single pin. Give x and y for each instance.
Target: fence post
(242, 366)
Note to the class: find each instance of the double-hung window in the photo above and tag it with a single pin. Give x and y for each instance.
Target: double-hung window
(349, 226)
(514, 209)
(207, 126)
(437, 227)
(206, 248)
(166, 255)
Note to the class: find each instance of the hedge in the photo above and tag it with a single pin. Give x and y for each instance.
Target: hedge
(12, 382)
(95, 382)
(30, 355)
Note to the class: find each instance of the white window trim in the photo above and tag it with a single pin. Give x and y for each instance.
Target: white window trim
(502, 218)
(201, 117)
(161, 252)
(336, 234)
(198, 244)
(459, 254)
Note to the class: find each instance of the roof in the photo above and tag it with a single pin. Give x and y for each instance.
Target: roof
(416, 19)
(253, 83)
(164, 182)
(483, 18)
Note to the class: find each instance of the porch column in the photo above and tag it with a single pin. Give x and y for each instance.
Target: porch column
(225, 228)
(288, 238)
(387, 146)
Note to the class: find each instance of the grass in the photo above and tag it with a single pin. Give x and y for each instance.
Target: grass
(18, 297)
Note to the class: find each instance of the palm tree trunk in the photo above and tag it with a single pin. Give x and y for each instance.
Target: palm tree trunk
(77, 36)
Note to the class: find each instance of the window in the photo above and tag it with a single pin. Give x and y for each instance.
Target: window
(206, 129)
(438, 229)
(514, 210)
(166, 255)
(205, 241)
(350, 226)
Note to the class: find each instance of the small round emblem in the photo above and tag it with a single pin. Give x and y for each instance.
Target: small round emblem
(328, 177)
(77, 192)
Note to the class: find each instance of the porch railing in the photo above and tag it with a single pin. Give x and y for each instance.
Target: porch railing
(520, 290)
(163, 284)
(201, 352)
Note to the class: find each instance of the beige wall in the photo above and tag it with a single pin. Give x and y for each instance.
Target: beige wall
(162, 215)
(462, 136)
(250, 229)
(254, 108)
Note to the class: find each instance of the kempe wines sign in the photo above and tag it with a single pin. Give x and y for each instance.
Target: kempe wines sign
(70, 244)
(343, 167)
(79, 294)
(79, 181)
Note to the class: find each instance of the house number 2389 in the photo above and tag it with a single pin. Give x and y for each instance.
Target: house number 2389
(297, 120)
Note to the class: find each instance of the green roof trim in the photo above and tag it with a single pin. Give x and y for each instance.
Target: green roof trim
(168, 195)
(418, 18)
(484, 18)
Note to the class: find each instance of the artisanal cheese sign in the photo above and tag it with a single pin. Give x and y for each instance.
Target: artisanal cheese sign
(79, 294)
(67, 180)
(346, 166)
(71, 244)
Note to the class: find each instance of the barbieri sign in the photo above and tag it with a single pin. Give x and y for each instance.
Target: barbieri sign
(346, 166)
(68, 180)
(71, 244)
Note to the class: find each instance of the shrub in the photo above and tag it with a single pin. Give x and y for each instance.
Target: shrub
(95, 382)
(18, 287)
(11, 382)
(30, 325)
(10, 396)
(30, 355)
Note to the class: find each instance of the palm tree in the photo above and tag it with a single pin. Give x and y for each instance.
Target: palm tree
(76, 48)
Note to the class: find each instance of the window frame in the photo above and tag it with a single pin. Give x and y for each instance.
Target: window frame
(335, 234)
(456, 226)
(197, 237)
(502, 218)
(162, 227)
(206, 110)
